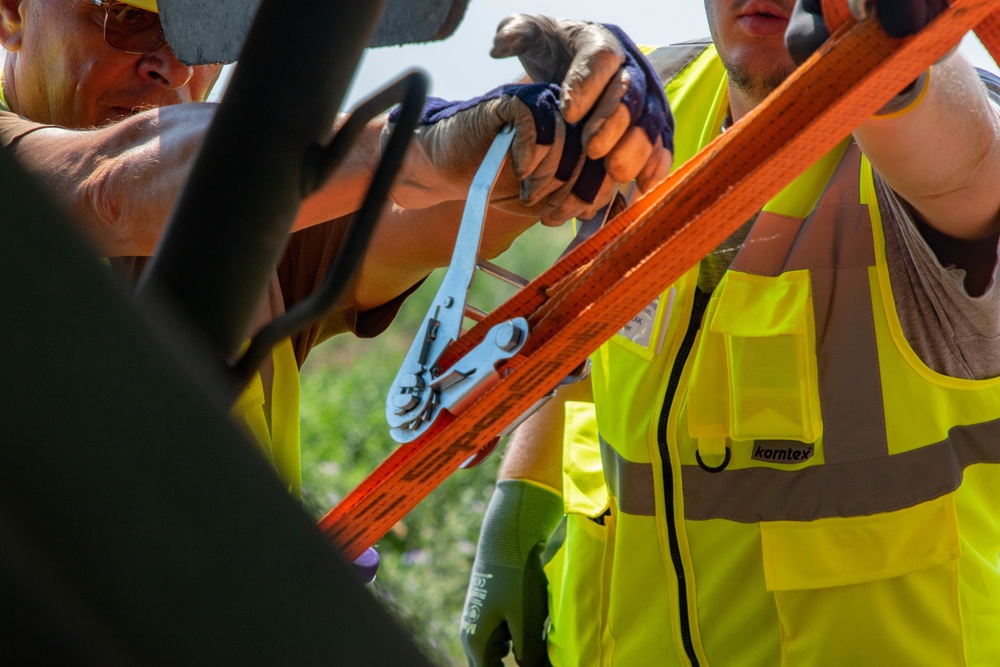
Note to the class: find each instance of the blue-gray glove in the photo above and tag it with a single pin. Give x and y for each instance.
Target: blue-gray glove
(507, 598)
(807, 28)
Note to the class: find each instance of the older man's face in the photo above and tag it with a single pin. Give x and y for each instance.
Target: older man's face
(60, 70)
(749, 35)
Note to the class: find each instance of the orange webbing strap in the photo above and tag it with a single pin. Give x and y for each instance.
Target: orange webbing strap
(988, 33)
(592, 292)
(835, 13)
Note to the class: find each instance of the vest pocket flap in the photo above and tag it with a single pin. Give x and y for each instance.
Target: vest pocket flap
(832, 552)
(742, 312)
(584, 489)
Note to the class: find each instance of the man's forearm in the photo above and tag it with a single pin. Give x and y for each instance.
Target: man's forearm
(943, 155)
(344, 191)
(119, 181)
(535, 451)
(410, 243)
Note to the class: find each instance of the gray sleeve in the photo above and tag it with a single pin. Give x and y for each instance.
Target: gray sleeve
(952, 332)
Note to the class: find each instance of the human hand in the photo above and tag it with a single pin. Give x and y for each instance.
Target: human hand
(546, 175)
(808, 28)
(606, 83)
(507, 599)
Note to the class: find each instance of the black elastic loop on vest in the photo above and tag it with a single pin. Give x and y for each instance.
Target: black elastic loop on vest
(708, 468)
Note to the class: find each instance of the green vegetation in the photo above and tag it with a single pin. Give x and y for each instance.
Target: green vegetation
(427, 556)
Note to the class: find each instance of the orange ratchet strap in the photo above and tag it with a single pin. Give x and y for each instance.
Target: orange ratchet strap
(988, 32)
(588, 295)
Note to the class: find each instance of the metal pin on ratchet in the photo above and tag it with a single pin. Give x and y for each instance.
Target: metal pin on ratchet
(421, 389)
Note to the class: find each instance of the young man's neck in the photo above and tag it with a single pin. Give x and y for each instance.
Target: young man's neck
(739, 104)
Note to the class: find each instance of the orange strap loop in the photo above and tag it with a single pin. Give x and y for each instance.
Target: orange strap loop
(593, 291)
(835, 13)
(988, 33)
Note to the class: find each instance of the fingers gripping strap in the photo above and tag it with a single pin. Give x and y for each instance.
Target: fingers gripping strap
(543, 101)
(645, 99)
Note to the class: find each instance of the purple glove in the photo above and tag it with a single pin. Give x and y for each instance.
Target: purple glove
(542, 101)
(644, 98)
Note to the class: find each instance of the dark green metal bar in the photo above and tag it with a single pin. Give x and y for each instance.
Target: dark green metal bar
(230, 225)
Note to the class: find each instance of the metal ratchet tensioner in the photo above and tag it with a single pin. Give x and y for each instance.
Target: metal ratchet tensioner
(420, 390)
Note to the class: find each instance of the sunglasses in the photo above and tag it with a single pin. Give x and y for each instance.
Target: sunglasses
(130, 29)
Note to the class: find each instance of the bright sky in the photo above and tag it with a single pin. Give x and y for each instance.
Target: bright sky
(460, 66)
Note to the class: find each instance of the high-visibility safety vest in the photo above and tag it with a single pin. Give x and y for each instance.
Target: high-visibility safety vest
(784, 481)
(278, 436)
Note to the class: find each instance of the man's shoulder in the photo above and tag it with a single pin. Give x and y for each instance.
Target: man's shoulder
(13, 127)
(670, 60)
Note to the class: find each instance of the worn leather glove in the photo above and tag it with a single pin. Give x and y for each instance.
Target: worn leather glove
(605, 82)
(507, 599)
(546, 174)
(807, 29)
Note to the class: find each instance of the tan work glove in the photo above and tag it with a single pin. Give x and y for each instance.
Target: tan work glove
(606, 83)
(453, 137)
(549, 175)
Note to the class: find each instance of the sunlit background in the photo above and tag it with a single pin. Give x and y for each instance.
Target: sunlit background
(461, 67)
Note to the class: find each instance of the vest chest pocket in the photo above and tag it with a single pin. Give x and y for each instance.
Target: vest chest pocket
(755, 372)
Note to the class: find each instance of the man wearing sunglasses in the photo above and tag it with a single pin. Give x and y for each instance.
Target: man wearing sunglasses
(96, 105)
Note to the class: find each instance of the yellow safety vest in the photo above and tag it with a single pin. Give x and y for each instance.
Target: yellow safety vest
(279, 436)
(784, 481)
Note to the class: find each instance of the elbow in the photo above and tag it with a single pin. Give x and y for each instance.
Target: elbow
(111, 224)
(493, 248)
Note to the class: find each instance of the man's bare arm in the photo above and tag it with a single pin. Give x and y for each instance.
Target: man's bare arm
(943, 156)
(535, 450)
(121, 181)
(410, 243)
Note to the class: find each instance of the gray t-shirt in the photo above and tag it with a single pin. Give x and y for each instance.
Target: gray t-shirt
(952, 332)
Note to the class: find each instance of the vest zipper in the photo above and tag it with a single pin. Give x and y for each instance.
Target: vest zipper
(701, 300)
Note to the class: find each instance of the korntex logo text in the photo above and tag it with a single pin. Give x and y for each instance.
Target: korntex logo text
(796, 453)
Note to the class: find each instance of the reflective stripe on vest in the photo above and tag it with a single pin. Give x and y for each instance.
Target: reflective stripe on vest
(865, 492)
(630, 483)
